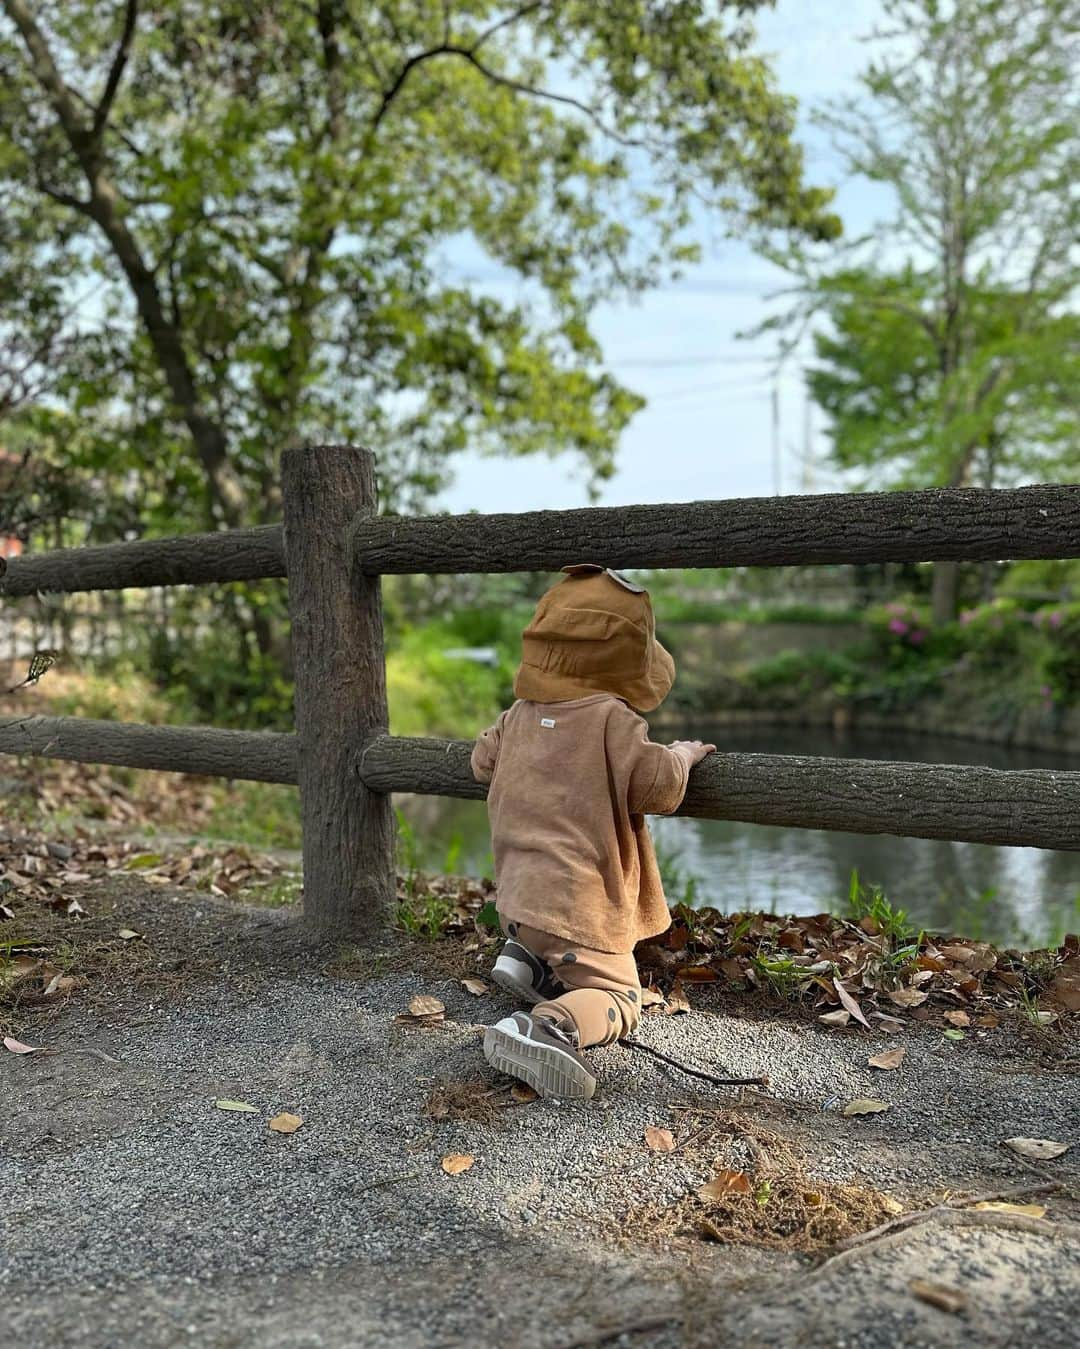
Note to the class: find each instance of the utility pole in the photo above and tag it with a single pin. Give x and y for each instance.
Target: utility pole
(776, 435)
(808, 448)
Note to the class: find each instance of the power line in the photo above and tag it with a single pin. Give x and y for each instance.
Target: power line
(679, 362)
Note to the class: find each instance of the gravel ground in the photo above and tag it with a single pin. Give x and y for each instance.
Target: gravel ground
(137, 1213)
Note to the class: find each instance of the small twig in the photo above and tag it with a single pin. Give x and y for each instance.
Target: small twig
(694, 1072)
(1017, 1192)
(386, 1180)
(950, 1206)
(901, 1228)
(602, 1334)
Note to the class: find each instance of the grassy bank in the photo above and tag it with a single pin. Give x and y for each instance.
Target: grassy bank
(1001, 666)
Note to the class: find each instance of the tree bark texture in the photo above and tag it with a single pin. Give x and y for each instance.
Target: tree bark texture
(229, 555)
(946, 523)
(259, 756)
(340, 678)
(1033, 809)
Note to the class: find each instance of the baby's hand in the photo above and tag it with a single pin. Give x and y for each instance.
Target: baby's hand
(695, 750)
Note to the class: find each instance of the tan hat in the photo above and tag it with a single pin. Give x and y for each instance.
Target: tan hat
(594, 632)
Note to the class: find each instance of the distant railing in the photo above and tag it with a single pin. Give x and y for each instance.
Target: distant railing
(333, 548)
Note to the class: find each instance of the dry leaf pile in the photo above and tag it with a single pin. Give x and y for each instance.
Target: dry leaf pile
(48, 885)
(758, 1192)
(851, 971)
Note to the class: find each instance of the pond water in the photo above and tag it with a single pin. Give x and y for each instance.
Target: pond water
(1013, 895)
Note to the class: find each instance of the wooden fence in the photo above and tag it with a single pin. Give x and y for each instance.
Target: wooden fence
(333, 547)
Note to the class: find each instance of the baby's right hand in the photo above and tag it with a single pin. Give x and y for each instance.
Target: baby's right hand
(695, 750)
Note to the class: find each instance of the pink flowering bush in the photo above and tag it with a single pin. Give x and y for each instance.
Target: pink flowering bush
(899, 624)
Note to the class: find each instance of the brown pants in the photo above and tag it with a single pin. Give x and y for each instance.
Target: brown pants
(603, 998)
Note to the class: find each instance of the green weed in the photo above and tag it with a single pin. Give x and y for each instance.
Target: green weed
(870, 901)
(424, 915)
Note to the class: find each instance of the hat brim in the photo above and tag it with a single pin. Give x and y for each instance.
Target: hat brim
(644, 693)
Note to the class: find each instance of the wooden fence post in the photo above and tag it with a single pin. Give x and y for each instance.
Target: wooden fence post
(340, 672)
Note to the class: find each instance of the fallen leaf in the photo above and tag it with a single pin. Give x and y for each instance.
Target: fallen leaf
(651, 997)
(126, 934)
(961, 954)
(476, 987)
(698, 974)
(425, 1005)
(940, 1295)
(237, 1105)
(285, 1123)
(864, 1106)
(659, 1140)
(523, 1093)
(891, 1025)
(1000, 1206)
(60, 983)
(958, 1018)
(987, 1019)
(888, 1058)
(838, 1018)
(891, 1205)
(456, 1162)
(849, 1003)
(1042, 1149)
(1066, 986)
(907, 997)
(725, 1183)
(953, 1034)
(17, 1046)
(676, 1000)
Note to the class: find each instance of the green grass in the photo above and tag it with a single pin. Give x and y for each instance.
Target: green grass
(870, 901)
(260, 814)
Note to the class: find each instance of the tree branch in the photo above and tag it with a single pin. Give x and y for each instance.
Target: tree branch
(48, 75)
(116, 71)
(468, 53)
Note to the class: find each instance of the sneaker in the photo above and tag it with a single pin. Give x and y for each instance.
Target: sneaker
(524, 975)
(537, 1051)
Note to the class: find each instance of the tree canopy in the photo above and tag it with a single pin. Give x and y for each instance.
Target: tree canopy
(950, 347)
(228, 224)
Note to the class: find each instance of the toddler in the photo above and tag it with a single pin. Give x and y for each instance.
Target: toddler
(572, 774)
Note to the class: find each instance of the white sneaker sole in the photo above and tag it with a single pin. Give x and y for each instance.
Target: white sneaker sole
(545, 1068)
(515, 978)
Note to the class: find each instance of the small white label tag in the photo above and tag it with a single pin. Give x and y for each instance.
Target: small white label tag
(547, 723)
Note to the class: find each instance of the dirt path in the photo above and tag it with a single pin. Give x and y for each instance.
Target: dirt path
(136, 1212)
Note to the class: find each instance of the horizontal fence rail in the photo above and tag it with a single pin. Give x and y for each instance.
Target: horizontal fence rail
(194, 559)
(261, 756)
(962, 524)
(1030, 808)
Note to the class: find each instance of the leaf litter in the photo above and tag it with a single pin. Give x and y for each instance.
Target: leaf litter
(754, 1190)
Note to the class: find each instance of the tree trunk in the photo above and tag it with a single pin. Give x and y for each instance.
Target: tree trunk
(944, 592)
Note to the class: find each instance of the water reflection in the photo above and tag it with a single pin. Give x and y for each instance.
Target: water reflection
(1023, 895)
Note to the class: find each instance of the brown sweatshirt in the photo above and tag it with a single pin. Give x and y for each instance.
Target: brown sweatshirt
(571, 783)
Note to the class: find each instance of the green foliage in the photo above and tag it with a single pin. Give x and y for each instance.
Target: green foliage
(679, 609)
(1059, 626)
(956, 364)
(432, 693)
(266, 202)
(805, 672)
(424, 914)
(783, 977)
(870, 901)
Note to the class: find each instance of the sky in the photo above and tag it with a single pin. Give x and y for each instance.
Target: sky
(707, 432)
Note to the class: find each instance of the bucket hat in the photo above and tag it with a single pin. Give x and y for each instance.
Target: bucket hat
(594, 632)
